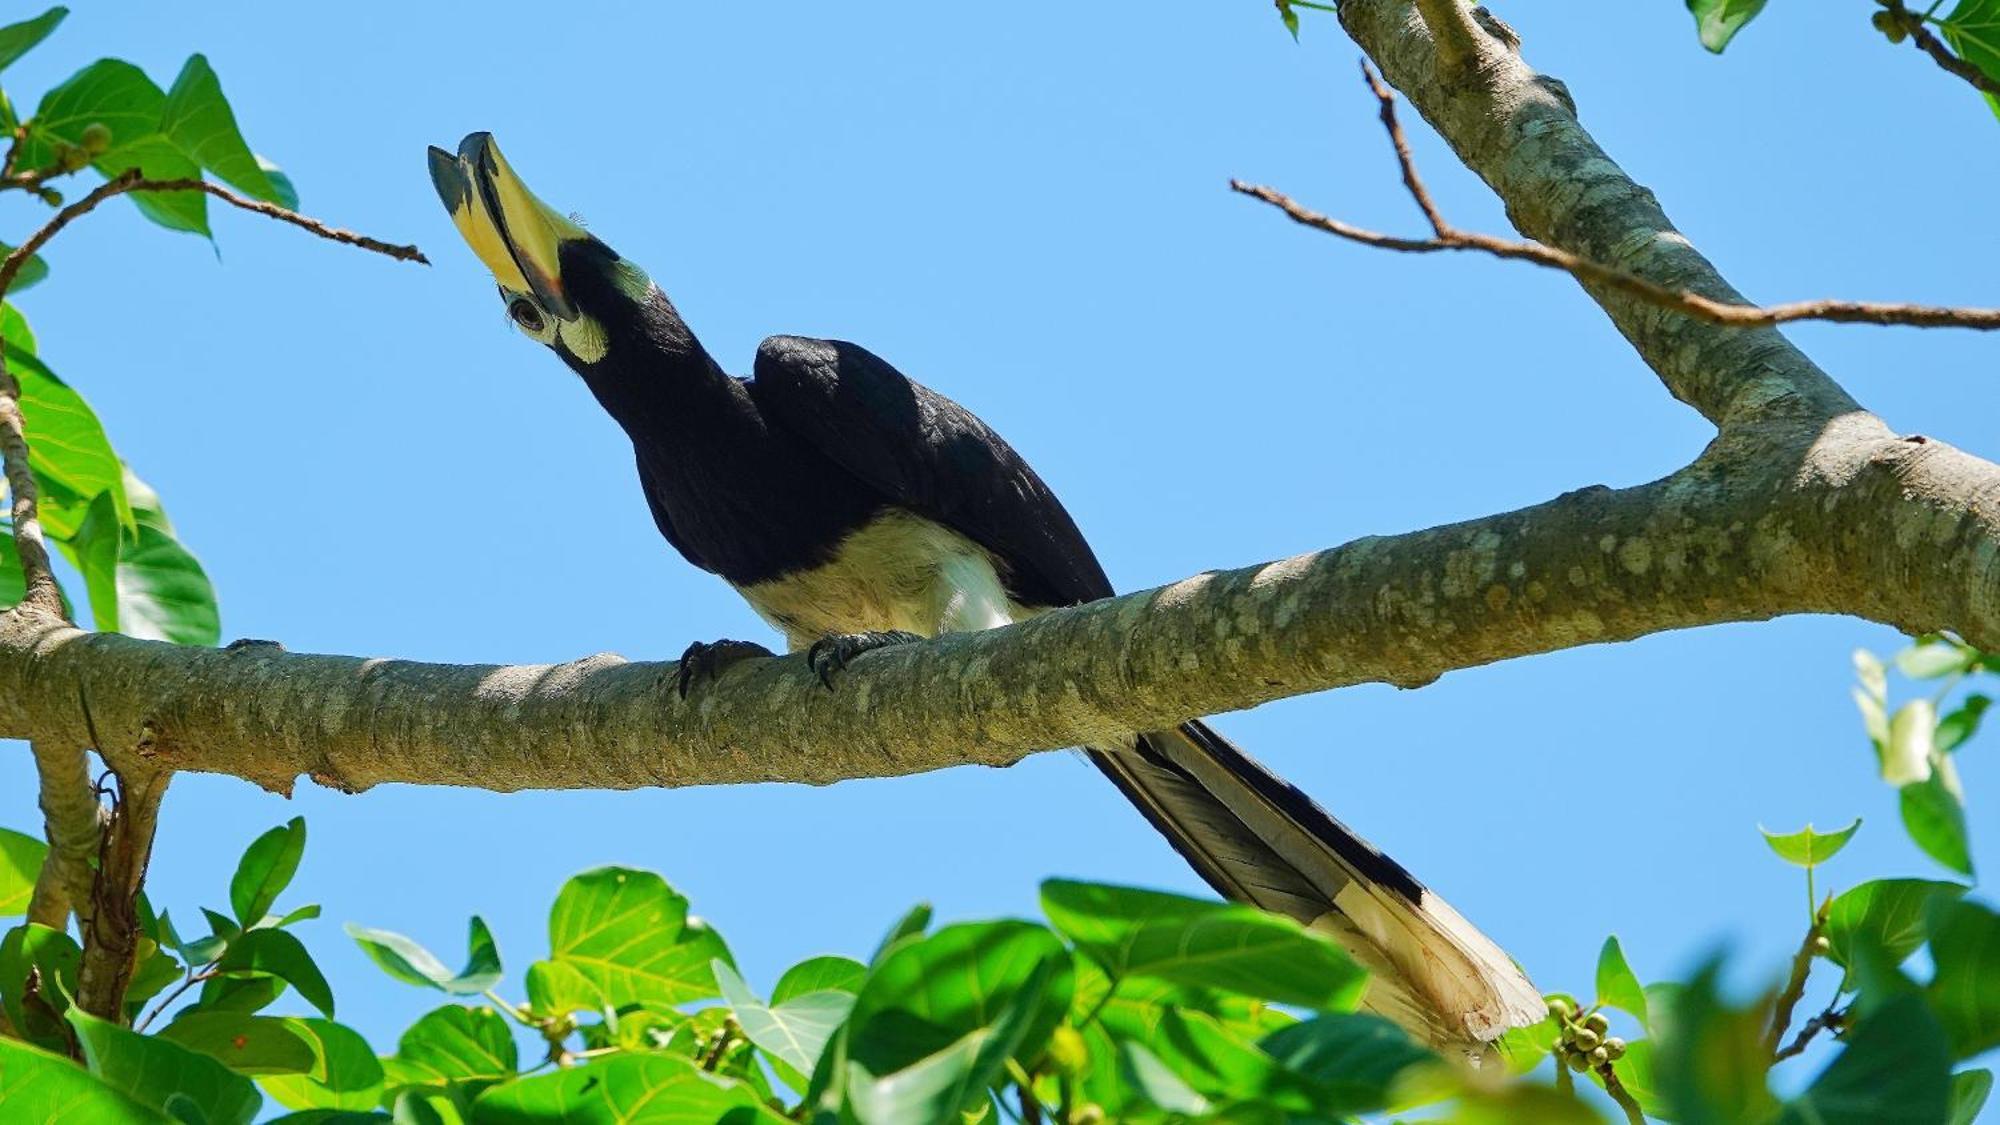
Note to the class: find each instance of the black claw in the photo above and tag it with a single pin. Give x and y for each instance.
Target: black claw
(834, 653)
(705, 660)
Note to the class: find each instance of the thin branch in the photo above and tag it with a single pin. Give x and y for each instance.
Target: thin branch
(1450, 238)
(1911, 24)
(304, 222)
(1634, 1115)
(1832, 1019)
(1795, 984)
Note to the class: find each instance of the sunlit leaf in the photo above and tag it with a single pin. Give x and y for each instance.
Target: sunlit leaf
(17, 39)
(411, 963)
(628, 933)
(247, 1044)
(198, 119)
(46, 1087)
(1886, 912)
(622, 1089)
(282, 956)
(347, 1074)
(20, 865)
(1618, 986)
(819, 974)
(1935, 821)
(794, 1032)
(1808, 847)
(154, 1071)
(457, 1044)
(952, 1080)
(1718, 21)
(1969, 1091)
(266, 869)
(1973, 30)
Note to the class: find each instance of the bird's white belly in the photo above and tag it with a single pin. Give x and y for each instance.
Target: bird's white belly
(899, 572)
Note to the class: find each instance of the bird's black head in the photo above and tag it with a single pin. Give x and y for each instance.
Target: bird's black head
(561, 285)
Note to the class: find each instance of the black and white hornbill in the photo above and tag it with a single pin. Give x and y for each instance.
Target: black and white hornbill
(852, 507)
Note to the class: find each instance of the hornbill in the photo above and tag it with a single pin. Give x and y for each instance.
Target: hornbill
(853, 508)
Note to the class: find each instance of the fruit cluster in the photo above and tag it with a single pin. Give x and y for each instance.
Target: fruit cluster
(1586, 1041)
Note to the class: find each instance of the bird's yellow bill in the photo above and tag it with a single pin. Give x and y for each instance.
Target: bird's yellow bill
(516, 236)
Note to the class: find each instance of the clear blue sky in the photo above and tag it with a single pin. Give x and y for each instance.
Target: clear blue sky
(1025, 208)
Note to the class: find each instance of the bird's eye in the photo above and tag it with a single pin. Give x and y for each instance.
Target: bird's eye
(526, 314)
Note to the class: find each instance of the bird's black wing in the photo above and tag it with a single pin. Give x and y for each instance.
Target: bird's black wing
(928, 454)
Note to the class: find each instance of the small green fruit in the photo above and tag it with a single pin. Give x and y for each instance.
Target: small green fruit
(1561, 1007)
(96, 138)
(1586, 1039)
(51, 196)
(1068, 1051)
(1599, 1056)
(1614, 1047)
(1597, 1022)
(1577, 1061)
(72, 159)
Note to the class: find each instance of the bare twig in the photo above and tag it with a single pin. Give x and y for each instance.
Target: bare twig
(1833, 1019)
(1450, 238)
(1911, 24)
(1795, 985)
(1633, 1114)
(304, 222)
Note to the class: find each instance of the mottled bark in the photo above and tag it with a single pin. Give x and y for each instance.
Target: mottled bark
(1804, 503)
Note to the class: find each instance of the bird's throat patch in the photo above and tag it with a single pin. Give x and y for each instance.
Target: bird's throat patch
(584, 338)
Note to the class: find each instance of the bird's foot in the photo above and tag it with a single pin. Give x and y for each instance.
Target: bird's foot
(705, 660)
(834, 653)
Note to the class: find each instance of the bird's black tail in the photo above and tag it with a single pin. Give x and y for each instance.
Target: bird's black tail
(1258, 839)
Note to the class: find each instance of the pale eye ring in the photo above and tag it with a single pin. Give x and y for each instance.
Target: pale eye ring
(526, 314)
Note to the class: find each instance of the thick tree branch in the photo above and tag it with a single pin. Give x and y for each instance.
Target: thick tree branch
(1448, 237)
(1835, 524)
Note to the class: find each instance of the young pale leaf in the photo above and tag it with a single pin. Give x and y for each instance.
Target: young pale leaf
(457, 1044)
(1965, 990)
(794, 1032)
(1934, 659)
(1969, 1091)
(955, 1079)
(20, 864)
(1935, 821)
(347, 1076)
(1973, 30)
(411, 963)
(629, 934)
(17, 39)
(198, 119)
(280, 955)
(1884, 913)
(248, 1044)
(1618, 986)
(623, 1088)
(1804, 848)
(45, 1087)
(266, 869)
(154, 1070)
(1718, 21)
(1894, 1070)
(819, 974)
(932, 991)
(1954, 729)
(1152, 1079)
(1206, 944)
(1912, 737)
(1874, 677)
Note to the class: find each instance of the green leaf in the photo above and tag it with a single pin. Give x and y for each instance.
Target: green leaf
(347, 1074)
(1893, 1070)
(245, 993)
(154, 969)
(1711, 1067)
(915, 922)
(1718, 21)
(956, 1078)
(794, 1032)
(199, 952)
(282, 956)
(1617, 985)
(457, 1044)
(118, 95)
(1969, 1091)
(32, 273)
(1936, 822)
(67, 446)
(1887, 912)
(1954, 729)
(1807, 847)
(411, 963)
(157, 157)
(1973, 30)
(155, 1071)
(556, 988)
(1228, 946)
(34, 954)
(143, 582)
(1935, 659)
(45, 1087)
(1358, 1062)
(1965, 990)
(931, 992)
(17, 39)
(266, 869)
(20, 863)
(819, 974)
(628, 933)
(199, 120)
(621, 1089)
(13, 583)
(248, 1044)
